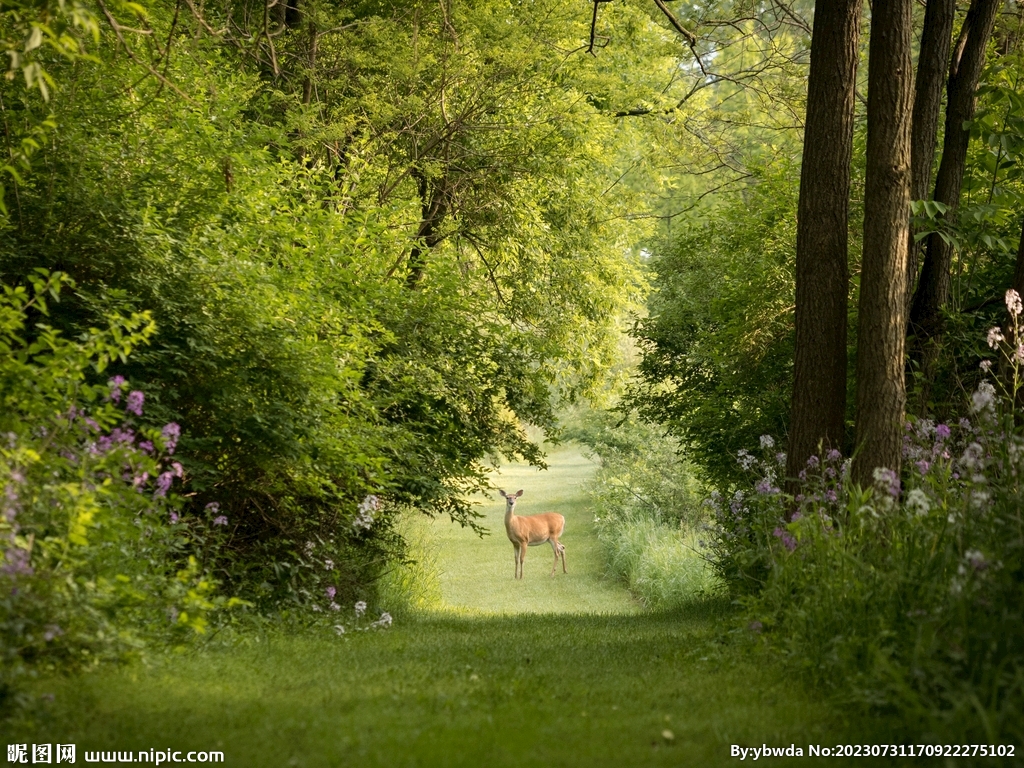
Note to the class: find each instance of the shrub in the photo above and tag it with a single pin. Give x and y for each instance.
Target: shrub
(906, 595)
(93, 555)
(647, 507)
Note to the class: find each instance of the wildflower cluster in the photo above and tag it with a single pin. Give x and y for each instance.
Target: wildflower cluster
(86, 493)
(366, 512)
(910, 587)
(357, 625)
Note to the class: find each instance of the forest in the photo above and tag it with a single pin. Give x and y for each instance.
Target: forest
(292, 288)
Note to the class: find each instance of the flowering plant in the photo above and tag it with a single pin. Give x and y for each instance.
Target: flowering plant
(86, 496)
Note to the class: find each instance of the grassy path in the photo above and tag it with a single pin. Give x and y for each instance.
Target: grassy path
(552, 672)
(477, 572)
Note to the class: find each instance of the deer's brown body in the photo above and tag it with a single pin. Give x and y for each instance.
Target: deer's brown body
(531, 531)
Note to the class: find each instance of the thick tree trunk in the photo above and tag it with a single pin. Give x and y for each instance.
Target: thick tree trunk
(822, 274)
(932, 292)
(881, 392)
(932, 66)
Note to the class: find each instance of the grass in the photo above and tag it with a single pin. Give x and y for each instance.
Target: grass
(554, 672)
(661, 564)
(476, 573)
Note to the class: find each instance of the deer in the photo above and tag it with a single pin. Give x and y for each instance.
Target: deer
(531, 531)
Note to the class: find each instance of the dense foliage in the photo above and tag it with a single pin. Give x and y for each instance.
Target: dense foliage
(367, 240)
(717, 344)
(95, 555)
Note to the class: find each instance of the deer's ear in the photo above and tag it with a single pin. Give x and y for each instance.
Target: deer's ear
(519, 493)
(503, 494)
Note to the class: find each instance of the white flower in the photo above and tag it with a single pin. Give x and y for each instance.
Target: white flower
(339, 629)
(972, 456)
(1013, 303)
(329, 565)
(995, 335)
(365, 517)
(767, 441)
(384, 621)
(360, 608)
(917, 502)
(745, 459)
(984, 397)
(985, 365)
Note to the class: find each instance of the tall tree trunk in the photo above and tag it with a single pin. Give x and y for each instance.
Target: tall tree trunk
(932, 292)
(932, 66)
(881, 391)
(822, 274)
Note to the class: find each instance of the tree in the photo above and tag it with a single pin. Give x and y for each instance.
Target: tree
(932, 65)
(822, 275)
(881, 391)
(932, 292)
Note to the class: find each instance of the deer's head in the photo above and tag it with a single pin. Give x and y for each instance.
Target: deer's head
(510, 499)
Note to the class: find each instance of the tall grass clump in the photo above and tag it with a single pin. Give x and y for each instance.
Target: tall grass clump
(414, 582)
(647, 509)
(907, 596)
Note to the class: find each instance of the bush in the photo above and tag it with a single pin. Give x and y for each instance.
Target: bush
(906, 595)
(94, 558)
(647, 507)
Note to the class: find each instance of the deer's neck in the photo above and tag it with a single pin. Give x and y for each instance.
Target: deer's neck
(510, 517)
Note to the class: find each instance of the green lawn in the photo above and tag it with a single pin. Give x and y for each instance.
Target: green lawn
(562, 671)
(476, 573)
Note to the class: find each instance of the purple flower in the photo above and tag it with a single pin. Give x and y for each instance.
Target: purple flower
(941, 432)
(177, 469)
(888, 481)
(213, 507)
(163, 484)
(140, 480)
(135, 401)
(146, 446)
(16, 563)
(812, 462)
(831, 495)
(220, 520)
(115, 385)
(833, 455)
(923, 466)
(171, 432)
(785, 537)
(174, 517)
(331, 592)
(765, 487)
